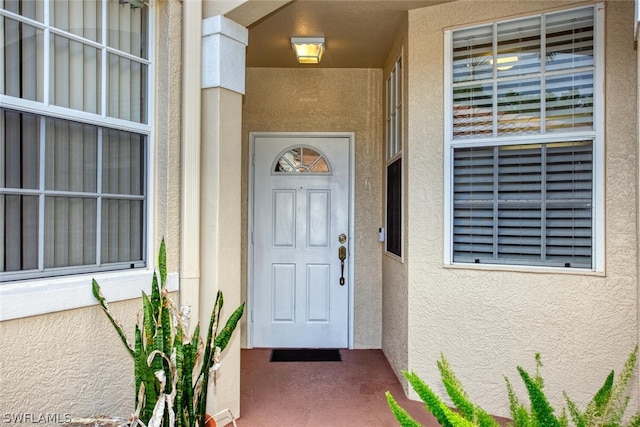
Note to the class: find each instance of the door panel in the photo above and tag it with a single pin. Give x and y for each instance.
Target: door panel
(284, 218)
(300, 207)
(283, 283)
(319, 218)
(318, 293)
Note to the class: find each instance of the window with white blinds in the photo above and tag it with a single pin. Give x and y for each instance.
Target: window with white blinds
(74, 136)
(523, 140)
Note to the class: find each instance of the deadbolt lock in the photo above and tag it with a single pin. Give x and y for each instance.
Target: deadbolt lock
(342, 238)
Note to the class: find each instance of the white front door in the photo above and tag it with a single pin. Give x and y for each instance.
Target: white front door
(300, 287)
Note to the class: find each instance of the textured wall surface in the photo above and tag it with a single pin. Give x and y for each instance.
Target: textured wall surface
(395, 300)
(72, 363)
(486, 321)
(336, 100)
(168, 126)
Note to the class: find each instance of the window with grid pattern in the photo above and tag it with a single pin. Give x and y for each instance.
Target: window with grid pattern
(74, 136)
(393, 240)
(523, 140)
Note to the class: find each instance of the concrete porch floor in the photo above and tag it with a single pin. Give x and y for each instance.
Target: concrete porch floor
(328, 394)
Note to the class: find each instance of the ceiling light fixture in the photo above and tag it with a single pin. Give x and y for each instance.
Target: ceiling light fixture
(505, 62)
(308, 50)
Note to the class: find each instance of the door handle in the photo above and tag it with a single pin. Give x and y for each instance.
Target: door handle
(342, 255)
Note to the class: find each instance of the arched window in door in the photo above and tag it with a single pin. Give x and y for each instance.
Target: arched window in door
(301, 159)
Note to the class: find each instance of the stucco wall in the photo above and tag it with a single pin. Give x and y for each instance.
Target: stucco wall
(395, 301)
(72, 363)
(345, 100)
(485, 321)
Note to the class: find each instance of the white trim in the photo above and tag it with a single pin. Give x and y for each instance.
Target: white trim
(250, 240)
(190, 158)
(149, 251)
(54, 111)
(351, 240)
(448, 137)
(351, 233)
(31, 298)
(599, 173)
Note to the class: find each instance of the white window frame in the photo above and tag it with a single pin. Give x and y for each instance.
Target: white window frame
(30, 297)
(394, 136)
(598, 221)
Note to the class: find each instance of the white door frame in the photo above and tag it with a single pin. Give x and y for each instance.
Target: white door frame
(351, 231)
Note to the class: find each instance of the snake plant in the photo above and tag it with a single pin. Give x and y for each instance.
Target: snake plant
(171, 367)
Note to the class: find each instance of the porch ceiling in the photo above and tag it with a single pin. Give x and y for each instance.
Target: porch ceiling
(358, 33)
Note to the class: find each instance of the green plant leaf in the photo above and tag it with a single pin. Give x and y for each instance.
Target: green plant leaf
(157, 363)
(455, 390)
(457, 420)
(540, 406)
(167, 339)
(148, 322)
(634, 421)
(563, 420)
(578, 418)
(136, 358)
(156, 299)
(212, 330)
(432, 402)
(179, 366)
(538, 378)
(400, 413)
(97, 293)
(603, 396)
(162, 263)
(613, 412)
(460, 399)
(222, 339)
(209, 352)
(519, 414)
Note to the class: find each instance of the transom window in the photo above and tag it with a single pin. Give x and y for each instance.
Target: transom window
(523, 140)
(301, 160)
(74, 137)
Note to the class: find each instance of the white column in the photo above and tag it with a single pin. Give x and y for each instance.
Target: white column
(223, 54)
(223, 71)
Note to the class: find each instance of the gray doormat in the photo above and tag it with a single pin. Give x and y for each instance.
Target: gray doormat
(305, 355)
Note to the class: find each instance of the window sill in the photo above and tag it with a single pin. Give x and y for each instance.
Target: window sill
(394, 257)
(525, 269)
(34, 297)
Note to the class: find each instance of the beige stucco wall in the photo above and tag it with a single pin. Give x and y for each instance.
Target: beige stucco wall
(322, 100)
(395, 299)
(72, 363)
(485, 321)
